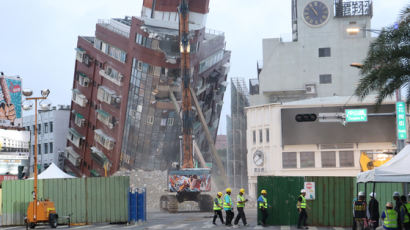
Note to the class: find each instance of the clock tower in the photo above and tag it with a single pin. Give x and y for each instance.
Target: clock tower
(328, 16)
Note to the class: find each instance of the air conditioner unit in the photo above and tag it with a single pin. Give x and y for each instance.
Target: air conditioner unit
(310, 88)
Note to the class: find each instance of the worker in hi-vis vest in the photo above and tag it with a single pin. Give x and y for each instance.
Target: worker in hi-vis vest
(218, 208)
(228, 207)
(301, 205)
(240, 206)
(263, 206)
(390, 217)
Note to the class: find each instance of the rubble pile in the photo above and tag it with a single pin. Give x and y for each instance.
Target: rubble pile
(155, 183)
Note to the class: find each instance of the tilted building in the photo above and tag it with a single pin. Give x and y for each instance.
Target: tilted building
(123, 114)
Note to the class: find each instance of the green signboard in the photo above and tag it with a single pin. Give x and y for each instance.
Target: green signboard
(401, 120)
(356, 115)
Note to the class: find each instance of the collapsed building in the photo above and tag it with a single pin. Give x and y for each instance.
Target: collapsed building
(125, 80)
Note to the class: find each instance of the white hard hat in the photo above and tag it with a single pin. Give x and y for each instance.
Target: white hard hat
(302, 191)
(361, 193)
(396, 194)
(372, 194)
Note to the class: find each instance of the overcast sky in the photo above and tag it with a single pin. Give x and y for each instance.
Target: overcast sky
(38, 37)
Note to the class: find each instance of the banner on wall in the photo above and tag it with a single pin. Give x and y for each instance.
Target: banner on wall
(310, 190)
(189, 181)
(10, 101)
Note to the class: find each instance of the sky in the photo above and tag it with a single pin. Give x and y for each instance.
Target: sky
(38, 37)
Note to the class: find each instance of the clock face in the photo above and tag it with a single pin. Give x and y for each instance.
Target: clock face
(316, 13)
(258, 158)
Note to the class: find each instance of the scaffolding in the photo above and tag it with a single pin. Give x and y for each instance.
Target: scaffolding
(236, 131)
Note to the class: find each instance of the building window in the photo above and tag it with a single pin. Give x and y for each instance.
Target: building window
(107, 95)
(79, 120)
(260, 136)
(254, 136)
(51, 126)
(328, 159)
(150, 120)
(45, 127)
(39, 129)
(163, 122)
(105, 118)
(325, 79)
(324, 52)
(170, 121)
(45, 148)
(307, 159)
(51, 147)
(267, 135)
(39, 149)
(289, 160)
(346, 158)
(82, 79)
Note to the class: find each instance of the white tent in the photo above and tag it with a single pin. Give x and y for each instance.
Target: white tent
(53, 172)
(395, 170)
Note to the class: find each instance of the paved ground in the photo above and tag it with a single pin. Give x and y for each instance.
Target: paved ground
(179, 221)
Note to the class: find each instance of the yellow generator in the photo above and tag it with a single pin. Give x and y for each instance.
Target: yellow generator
(44, 212)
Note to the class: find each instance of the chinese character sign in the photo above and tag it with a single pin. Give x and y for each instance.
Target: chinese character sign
(310, 190)
(401, 120)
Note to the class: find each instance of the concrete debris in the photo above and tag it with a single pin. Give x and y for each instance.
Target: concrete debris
(155, 183)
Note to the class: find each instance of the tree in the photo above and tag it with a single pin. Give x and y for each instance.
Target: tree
(386, 67)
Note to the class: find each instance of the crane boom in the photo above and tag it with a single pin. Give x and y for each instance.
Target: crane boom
(186, 79)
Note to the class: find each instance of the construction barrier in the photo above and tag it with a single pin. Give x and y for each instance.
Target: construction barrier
(137, 206)
(85, 200)
(331, 206)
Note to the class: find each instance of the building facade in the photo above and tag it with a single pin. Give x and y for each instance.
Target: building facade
(316, 63)
(126, 79)
(279, 145)
(52, 130)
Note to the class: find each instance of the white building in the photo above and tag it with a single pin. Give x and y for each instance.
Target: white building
(317, 62)
(278, 145)
(52, 133)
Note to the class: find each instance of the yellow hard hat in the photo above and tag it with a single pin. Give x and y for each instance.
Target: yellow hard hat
(228, 190)
(263, 191)
(219, 194)
(242, 190)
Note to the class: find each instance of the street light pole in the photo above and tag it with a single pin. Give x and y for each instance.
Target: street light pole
(35, 149)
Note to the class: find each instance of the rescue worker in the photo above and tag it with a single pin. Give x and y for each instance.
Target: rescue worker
(359, 211)
(240, 205)
(389, 217)
(374, 214)
(218, 208)
(405, 213)
(228, 207)
(301, 205)
(396, 197)
(263, 206)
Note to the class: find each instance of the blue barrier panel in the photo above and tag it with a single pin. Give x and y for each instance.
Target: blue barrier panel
(144, 214)
(140, 205)
(132, 217)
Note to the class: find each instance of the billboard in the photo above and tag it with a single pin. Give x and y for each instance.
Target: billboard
(14, 151)
(10, 101)
(189, 181)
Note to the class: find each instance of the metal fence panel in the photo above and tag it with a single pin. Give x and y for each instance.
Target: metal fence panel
(282, 193)
(107, 199)
(87, 200)
(333, 202)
